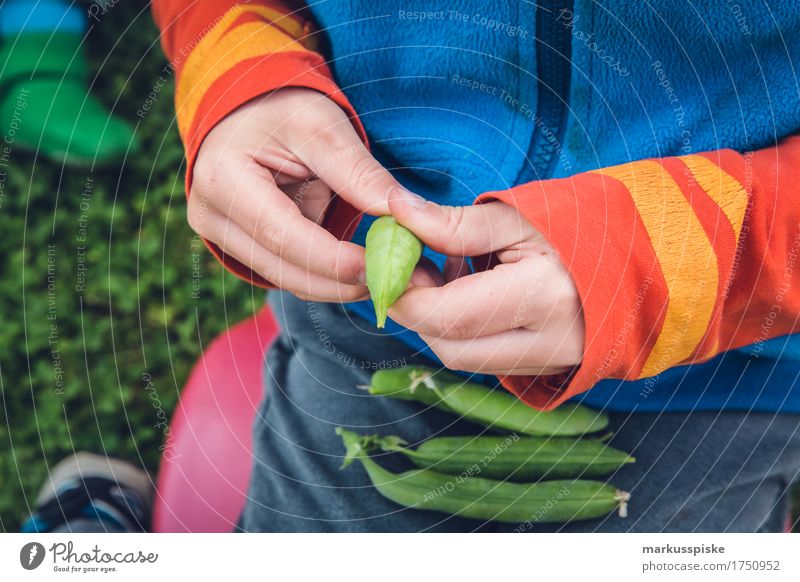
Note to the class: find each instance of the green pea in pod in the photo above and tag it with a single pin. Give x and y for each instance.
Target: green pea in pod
(486, 499)
(512, 457)
(392, 252)
(496, 409)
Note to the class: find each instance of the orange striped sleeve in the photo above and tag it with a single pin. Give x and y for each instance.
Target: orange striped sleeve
(225, 53)
(676, 260)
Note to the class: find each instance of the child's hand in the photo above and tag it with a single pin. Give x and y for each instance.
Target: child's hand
(263, 180)
(522, 317)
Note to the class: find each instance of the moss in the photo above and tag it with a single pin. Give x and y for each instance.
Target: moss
(87, 322)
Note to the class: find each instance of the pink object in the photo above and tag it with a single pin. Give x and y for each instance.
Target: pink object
(205, 468)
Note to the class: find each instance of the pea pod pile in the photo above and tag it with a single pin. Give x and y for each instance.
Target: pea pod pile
(486, 499)
(536, 472)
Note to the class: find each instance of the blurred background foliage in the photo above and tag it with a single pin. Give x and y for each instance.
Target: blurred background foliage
(138, 313)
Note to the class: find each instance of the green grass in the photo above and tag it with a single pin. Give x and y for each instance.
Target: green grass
(137, 314)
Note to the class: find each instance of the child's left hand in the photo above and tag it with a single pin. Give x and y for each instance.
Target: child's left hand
(522, 317)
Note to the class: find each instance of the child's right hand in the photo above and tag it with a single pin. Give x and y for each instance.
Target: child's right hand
(263, 180)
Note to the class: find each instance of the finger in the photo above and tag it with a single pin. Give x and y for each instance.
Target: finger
(246, 194)
(504, 298)
(528, 372)
(426, 274)
(337, 156)
(311, 197)
(236, 243)
(455, 268)
(465, 231)
(285, 171)
(520, 349)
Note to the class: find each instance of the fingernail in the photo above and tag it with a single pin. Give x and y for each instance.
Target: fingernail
(413, 200)
(361, 279)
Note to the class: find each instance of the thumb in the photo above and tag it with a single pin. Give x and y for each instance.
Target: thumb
(341, 160)
(460, 231)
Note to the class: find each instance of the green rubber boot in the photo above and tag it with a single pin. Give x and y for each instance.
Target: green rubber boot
(45, 106)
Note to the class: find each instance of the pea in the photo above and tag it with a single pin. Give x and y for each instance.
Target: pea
(512, 457)
(496, 409)
(486, 499)
(392, 252)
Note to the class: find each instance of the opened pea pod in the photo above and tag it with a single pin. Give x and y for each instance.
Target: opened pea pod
(392, 252)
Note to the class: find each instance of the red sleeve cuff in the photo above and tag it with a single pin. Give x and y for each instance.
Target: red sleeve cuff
(592, 223)
(675, 260)
(248, 80)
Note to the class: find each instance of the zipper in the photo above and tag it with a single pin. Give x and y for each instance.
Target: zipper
(553, 68)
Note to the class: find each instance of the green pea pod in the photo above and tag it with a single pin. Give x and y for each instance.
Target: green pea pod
(392, 252)
(512, 457)
(412, 383)
(486, 499)
(496, 409)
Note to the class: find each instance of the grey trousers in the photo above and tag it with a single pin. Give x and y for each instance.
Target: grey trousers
(695, 471)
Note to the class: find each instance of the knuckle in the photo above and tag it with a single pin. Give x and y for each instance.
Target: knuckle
(325, 123)
(207, 175)
(560, 303)
(200, 218)
(266, 266)
(570, 353)
(545, 311)
(454, 361)
(361, 172)
(571, 300)
(458, 327)
(438, 323)
(323, 127)
(545, 305)
(332, 270)
(202, 173)
(454, 225)
(345, 270)
(578, 347)
(577, 356)
(269, 232)
(268, 273)
(444, 356)
(455, 218)
(349, 293)
(195, 218)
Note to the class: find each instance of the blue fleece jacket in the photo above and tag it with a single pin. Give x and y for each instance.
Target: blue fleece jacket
(467, 97)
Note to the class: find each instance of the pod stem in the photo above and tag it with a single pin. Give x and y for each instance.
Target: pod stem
(424, 377)
(623, 497)
(604, 438)
(427, 380)
(356, 446)
(391, 444)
